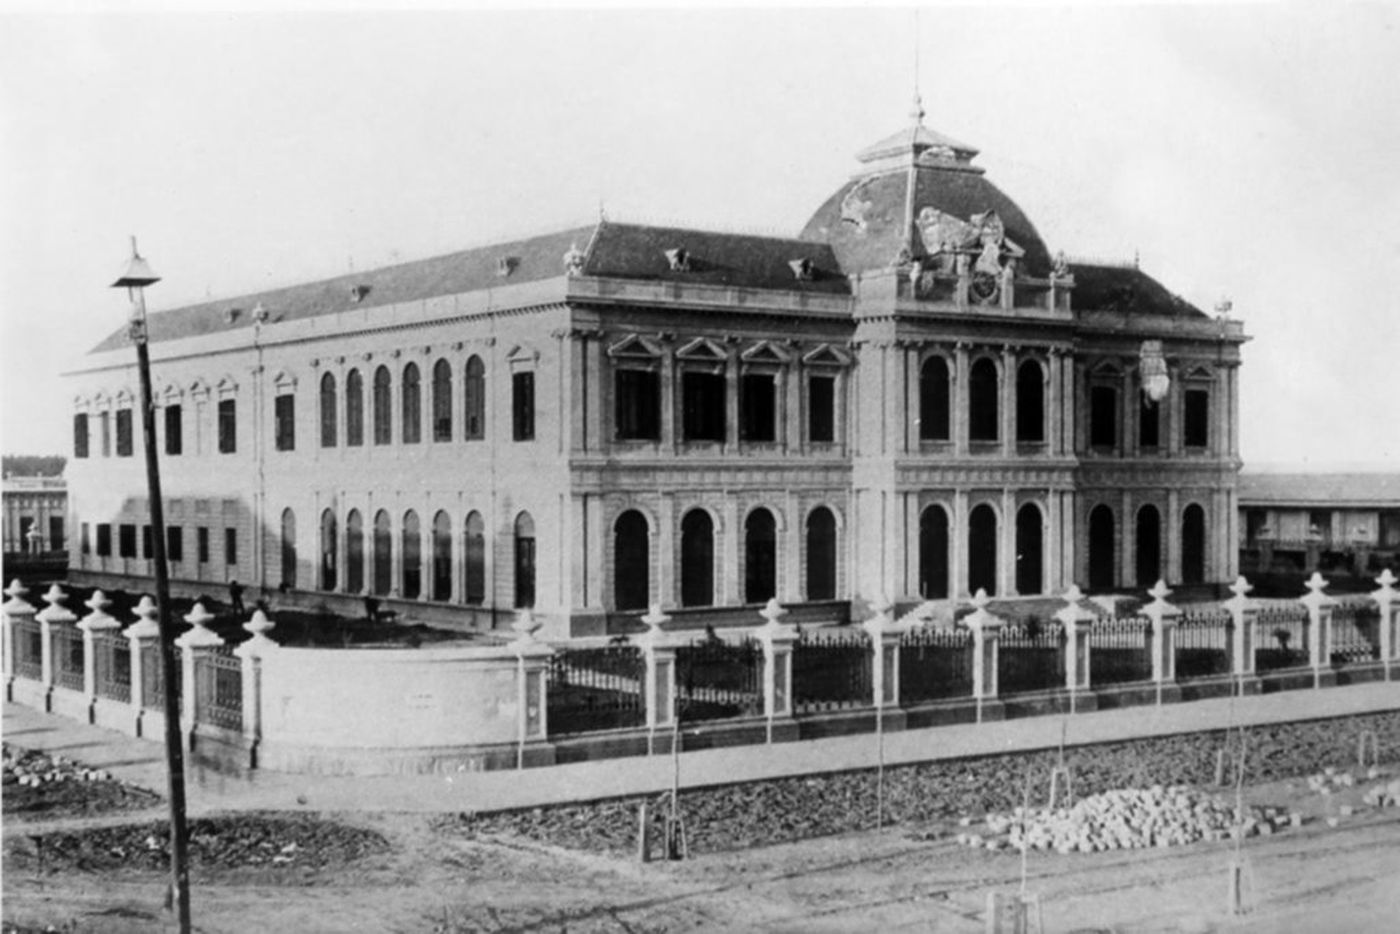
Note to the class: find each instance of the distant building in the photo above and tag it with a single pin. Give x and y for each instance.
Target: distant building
(913, 398)
(36, 510)
(1319, 521)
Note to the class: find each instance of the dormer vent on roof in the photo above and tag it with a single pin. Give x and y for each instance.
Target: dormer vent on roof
(573, 260)
(505, 265)
(679, 259)
(231, 315)
(359, 293)
(802, 269)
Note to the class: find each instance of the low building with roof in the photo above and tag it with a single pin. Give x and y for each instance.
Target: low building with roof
(911, 399)
(1319, 521)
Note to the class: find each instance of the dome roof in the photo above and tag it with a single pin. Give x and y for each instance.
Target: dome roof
(871, 218)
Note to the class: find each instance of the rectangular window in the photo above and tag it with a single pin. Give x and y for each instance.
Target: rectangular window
(174, 543)
(124, 446)
(104, 421)
(80, 435)
(284, 416)
(228, 426)
(126, 541)
(1103, 416)
(1149, 420)
(147, 543)
(757, 415)
(85, 538)
(821, 408)
(638, 405)
(702, 406)
(174, 430)
(1320, 523)
(230, 546)
(523, 405)
(56, 533)
(201, 544)
(104, 539)
(1195, 429)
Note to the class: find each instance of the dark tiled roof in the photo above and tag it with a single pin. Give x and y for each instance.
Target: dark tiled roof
(1125, 288)
(1320, 489)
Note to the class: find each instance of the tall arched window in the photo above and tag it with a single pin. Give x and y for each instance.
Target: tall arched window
(330, 550)
(1030, 536)
(982, 419)
(354, 409)
(383, 407)
(1193, 545)
(933, 400)
(524, 560)
(474, 551)
(982, 550)
(631, 561)
(760, 557)
(821, 554)
(697, 559)
(442, 401)
(933, 553)
(1102, 548)
(442, 556)
(1030, 402)
(289, 548)
(1149, 546)
(328, 410)
(412, 557)
(474, 400)
(354, 553)
(383, 554)
(412, 406)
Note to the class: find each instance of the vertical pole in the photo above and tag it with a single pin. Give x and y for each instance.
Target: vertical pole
(174, 749)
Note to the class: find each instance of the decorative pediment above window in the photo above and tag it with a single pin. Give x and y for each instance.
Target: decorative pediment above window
(284, 380)
(1200, 373)
(703, 349)
(227, 386)
(826, 355)
(171, 393)
(522, 356)
(124, 397)
(199, 388)
(764, 352)
(635, 346)
(101, 400)
(1106, 369)
(80, 403)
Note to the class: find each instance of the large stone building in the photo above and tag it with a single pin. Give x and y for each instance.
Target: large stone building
(911, 398)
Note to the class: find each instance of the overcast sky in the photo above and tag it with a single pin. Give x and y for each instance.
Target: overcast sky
(1243, 151)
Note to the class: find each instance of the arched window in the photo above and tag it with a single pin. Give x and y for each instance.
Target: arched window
(1101, 549)
(474, 400)
(289, 548)
(383, 408)
(1149, 546)
(933, 400)
(982, 419)
(821, 554)
(412, 557)
(354, 553)
(442, 556)
(631, 561)
(982, 550)
(383, 554)
(412, 406)
(1193, 545)
(1030, 402)
(330, 550)
(697, 559)
(1030, 537)
(933, 553)
(524, 560)
(327, 410)
(760, 557)
(442, 401)
(474, 550)
(354, 409)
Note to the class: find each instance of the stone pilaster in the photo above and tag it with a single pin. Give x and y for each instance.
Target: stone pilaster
(986, 637)
(1164, 617)
(1244, 636)
(1320, 607)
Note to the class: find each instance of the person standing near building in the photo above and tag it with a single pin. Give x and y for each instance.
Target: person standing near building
(235, 596)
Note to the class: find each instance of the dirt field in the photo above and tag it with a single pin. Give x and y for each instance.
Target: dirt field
(1318, 878)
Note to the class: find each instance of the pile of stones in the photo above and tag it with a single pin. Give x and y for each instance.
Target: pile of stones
(34, 770)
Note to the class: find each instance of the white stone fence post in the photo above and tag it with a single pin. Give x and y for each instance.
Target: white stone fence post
(95, 626)
(1244, 637)
(884, 635)
(145, 631)
(659, 651)
(250, 653)
(60, 626)
(15, 609)
(986, 639)
(1388, 601)
(531, 688)
(777, 639)
(1320, 607)
(194, 643)
(1164, 617)
(1076, 618)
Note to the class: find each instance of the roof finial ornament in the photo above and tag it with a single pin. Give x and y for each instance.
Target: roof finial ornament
(917, 113)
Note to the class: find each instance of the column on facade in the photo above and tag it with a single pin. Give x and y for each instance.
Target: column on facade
(1052, 579)
(1008, 425)
(669, 379)
(957, 539)
(592, 376)
(596, 545)
(912, 412)
(893, 435)
(1129, 439)
(666, 592)
(792, 413)
(1006, 561)
(791, 586)
(1069, 555)
(577, 370)
(730, 579)
(1170, 414)
(1079, 417)
(1054, 401)
(1127, 543)
(731, 400)
(1173, 522)
(960, 399)
(910, 582)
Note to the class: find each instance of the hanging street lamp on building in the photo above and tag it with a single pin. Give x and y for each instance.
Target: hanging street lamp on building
(134, 279)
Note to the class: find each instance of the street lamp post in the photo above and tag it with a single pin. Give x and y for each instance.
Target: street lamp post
(137, 276)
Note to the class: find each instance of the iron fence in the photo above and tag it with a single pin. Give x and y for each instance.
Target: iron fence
(1031, 657)
(153, 677)
(596, 689)
(934, 664)
(1283, 639)
(29, 648)
(1203, 644)
(67, 644)
(218, 685)
(831, 670)
(111, 656)
(1356, 633)
(716, 680)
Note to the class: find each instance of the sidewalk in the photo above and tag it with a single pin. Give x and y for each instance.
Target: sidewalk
(142, 762)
